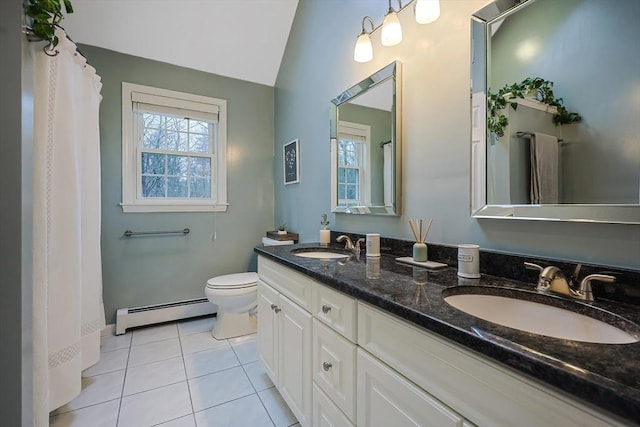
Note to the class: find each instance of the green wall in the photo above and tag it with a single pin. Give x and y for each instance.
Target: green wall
(152, 270)
(318, 65)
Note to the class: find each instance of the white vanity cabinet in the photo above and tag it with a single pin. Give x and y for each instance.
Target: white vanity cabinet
(284, 335)
(338, 361)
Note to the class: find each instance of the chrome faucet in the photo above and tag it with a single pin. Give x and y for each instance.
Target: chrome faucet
(349, 245)
(553, 279)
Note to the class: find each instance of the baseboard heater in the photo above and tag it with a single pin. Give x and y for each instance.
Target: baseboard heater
(151, 314)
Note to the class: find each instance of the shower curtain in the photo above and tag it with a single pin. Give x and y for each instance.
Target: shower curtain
(387, 175)
(67, 308)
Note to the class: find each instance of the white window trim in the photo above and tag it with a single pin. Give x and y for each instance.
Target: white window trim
(130, 200)
(363, 131)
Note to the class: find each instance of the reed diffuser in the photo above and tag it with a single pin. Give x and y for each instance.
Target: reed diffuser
(420, 246)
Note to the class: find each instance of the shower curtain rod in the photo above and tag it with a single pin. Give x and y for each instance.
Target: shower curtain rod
(49, 49)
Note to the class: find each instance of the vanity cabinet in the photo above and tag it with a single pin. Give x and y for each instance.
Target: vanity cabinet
(338, 361)
(284, 337)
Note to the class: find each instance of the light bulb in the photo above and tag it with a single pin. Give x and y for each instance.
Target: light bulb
(364, 50)
(391, 29)
(427, 11)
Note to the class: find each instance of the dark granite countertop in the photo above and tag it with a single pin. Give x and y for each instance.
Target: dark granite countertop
(606, 376)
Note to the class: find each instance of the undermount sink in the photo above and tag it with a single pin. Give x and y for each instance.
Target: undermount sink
(320, 253)
(541, 318)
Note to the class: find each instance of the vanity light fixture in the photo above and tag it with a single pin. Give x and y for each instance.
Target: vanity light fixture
(391, 29)
(364, 49)
(427, 11)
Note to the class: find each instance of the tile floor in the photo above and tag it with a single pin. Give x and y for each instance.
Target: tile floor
(176, 375)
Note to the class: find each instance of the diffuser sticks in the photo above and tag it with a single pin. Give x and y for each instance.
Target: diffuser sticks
(417, 230)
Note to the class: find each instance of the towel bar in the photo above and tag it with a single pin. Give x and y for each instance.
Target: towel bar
(129, 233)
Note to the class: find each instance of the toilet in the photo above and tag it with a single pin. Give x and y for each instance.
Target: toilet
(236, 296)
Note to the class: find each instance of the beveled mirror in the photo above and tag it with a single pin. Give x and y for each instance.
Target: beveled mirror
(366, 145)
(589, 49)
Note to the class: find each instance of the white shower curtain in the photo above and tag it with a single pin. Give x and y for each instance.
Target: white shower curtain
(67, 288)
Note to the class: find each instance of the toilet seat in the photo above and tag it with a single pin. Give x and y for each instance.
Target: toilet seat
(233, 281)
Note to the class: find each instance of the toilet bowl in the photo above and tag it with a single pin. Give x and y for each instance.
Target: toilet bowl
(236, 296)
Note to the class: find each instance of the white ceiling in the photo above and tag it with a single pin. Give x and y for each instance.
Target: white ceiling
(243, 39)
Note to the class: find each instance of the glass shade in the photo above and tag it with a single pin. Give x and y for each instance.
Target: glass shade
(391, 30)
(427, 11)
(364, 50)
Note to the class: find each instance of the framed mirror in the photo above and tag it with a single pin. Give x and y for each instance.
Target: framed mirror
(366, 145)
(588, 51)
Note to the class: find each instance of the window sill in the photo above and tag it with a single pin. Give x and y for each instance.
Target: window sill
(166, 207)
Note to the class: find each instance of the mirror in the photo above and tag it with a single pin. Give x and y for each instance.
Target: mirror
(589, 50)
(366, 145)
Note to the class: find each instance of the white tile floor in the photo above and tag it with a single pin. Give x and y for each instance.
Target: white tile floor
(176, 375)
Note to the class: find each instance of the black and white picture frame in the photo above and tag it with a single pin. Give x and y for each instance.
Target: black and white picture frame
(291, 159)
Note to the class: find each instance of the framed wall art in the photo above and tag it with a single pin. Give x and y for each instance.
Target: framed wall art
(291, 159)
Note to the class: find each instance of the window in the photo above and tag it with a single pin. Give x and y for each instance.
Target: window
(173, 151)
(353, 152)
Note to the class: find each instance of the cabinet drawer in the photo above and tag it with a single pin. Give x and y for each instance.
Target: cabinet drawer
(388, 399)
(334, 368)
(326, 413)
(296, 286)
(337, 310)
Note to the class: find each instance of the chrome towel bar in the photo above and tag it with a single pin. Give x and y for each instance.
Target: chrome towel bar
(129, 233)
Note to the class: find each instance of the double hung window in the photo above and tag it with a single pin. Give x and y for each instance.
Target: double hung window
(352, 150)
(174, 151)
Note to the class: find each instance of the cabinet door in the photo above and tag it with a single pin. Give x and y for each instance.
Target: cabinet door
(268, 329)
(294, 366)
(387, 399)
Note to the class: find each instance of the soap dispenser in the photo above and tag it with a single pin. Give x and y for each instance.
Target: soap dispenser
(325, 233)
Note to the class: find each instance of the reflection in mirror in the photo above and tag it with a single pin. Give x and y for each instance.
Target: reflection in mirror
(365, 145)
(586, 171)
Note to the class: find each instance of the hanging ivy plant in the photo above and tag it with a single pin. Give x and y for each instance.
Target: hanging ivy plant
(541, 89)
(46, 16)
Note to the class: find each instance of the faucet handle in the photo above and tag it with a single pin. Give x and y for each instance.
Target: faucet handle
(585, 290)
(532, 266)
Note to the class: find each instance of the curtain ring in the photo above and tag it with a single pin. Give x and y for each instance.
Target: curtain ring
(50, 49)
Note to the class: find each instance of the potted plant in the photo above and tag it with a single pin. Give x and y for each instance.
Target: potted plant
(46, 16)
(282, 229)
(532, 87)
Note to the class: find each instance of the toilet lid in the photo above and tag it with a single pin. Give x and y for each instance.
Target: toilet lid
(233, 281)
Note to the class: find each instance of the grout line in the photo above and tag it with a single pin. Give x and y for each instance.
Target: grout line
(265, 409)
(229, 401)
(184, 366)
(124, 380)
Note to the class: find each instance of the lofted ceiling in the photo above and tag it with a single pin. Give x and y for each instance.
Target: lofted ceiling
(243, 39)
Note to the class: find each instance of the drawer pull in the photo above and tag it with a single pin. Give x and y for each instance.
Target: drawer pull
(326, 309)
(326, 366)
(275, 308)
